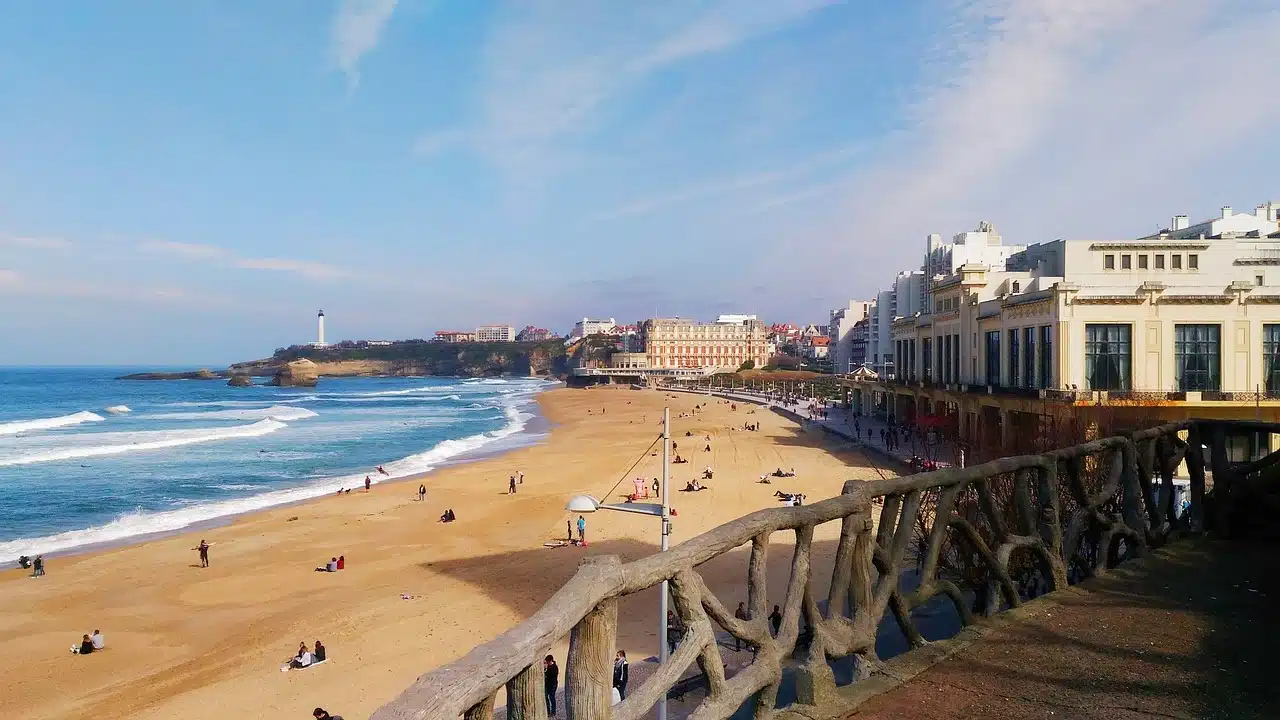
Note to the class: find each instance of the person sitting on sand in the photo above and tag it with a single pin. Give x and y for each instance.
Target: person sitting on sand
(708, 448)
(448, 516)
(302, 659)
(342, 562)
(319, 654)
(706, 474)
(98, 641)
(322, 714)
(86, 647)
(331, 566)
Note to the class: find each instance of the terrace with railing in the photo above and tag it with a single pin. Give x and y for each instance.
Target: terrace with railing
(986, 538)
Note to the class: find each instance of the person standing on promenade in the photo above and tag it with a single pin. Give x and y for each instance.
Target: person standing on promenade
(551, 683)
(621, 674)
(203, 547)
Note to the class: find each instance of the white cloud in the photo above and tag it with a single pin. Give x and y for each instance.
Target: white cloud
(37, 243)
(439, 141)
(1067, 117)
(306, 268)
(550, 69)
(193, 251)
(357, 28)
(726, 24)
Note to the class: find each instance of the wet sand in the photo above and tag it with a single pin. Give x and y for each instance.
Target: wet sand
(195, 643)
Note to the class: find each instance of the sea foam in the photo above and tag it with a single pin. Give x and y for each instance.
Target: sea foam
(21, 426)
(146, 523)
(117, 443)
(283, 413)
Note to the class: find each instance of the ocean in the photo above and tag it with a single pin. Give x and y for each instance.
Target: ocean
(87, 459)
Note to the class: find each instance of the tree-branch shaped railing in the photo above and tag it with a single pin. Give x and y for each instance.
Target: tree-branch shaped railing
(980, 534)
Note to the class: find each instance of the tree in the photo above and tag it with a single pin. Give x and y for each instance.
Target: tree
(748, 365)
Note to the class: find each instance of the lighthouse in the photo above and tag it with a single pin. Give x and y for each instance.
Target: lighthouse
(320, 329)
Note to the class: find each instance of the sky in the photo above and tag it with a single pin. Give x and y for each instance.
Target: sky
(188, 182)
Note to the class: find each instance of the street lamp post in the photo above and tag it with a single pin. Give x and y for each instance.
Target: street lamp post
(588, 504)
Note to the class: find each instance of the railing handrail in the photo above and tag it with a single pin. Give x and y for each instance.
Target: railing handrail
(464, 684)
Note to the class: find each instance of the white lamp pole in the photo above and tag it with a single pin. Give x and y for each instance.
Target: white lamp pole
(588, 504)
(666, 530)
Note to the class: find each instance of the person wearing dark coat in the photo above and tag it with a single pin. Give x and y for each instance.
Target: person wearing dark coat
(551, 682)
(621, 673)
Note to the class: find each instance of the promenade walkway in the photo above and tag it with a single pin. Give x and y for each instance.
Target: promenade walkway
(1187, 632)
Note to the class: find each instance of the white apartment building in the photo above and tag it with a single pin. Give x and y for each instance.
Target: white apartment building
(1182, 316)
(684, 343)
(587, 326)
(841, 327)
(983, 246)
(495, 333)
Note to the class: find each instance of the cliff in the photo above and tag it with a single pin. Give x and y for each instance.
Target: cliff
(419, 358)
(297, 373)
(202, 374)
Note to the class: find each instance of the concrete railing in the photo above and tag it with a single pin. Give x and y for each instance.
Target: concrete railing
(980, 536)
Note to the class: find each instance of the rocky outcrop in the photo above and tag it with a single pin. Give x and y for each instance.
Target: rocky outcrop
(201, 374)
(239, 380)
(297, 373)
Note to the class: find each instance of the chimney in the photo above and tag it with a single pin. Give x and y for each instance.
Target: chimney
(1180, 222)
(1226, 211)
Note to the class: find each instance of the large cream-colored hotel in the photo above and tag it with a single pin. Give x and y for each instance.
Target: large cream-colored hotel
(1180, 323)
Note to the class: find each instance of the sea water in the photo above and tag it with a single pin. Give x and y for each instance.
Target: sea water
(87, 459)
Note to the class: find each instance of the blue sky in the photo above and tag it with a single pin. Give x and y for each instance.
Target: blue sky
(186, 183)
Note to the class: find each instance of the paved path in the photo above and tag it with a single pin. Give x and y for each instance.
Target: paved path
(1190, 632)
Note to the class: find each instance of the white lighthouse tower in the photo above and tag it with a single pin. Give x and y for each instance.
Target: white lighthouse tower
(320, 329)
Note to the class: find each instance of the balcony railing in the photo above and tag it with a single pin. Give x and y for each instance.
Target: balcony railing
(972, 533)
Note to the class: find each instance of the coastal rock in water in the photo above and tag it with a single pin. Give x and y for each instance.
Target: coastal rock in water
(201, 374)
(240, 381)
(299, 373)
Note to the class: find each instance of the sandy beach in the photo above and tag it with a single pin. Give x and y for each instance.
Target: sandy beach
(195, 643)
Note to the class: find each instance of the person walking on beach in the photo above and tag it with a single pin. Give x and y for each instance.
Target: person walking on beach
(582, 530)
(519, 477)
(203, 547)
(422, 493)
(367, 483)
(551, 683)
(37, 566)
(511, 486)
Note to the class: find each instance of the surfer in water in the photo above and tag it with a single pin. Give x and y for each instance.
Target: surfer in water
(384, 472)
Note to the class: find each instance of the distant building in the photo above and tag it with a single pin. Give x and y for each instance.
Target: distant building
(533, 334)
(587, 327)
(842, 333)
(320, 332)
(818, 347)
(683, 343)
(454, 336)
(495, 333)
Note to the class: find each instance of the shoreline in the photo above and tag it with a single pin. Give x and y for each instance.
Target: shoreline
(533, 431)
(205, 643)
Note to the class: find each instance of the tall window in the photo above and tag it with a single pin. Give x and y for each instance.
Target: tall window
(1029, 357)
(993, 357)
(1271, 356)
(1013, 359)
(956, 345)
(926, 358)
(1107, 357)
(946, 358)
(1046, 356)
(1196, 357)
